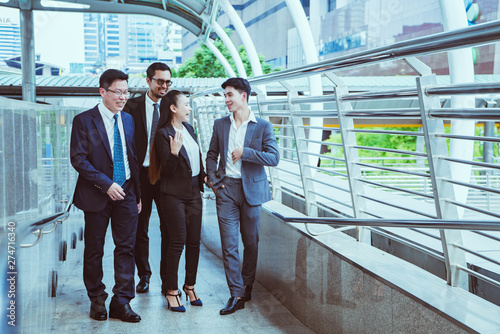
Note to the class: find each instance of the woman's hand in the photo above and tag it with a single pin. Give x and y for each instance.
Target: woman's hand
(176, 143)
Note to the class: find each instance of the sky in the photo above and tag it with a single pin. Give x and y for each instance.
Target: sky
(58, 36)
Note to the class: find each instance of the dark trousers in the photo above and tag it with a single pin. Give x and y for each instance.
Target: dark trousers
(123, 215)
(236, 216)
(149, 192)
(184, 228)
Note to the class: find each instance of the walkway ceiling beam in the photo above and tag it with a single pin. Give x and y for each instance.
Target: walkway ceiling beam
(187, 14)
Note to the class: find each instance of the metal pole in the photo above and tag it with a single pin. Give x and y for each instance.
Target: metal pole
(28, 54)
(440, 169)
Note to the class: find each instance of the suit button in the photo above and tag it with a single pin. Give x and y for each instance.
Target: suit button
(111, 166)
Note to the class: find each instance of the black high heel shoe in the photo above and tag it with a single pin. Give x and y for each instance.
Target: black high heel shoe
(197, 302)
(175, 308)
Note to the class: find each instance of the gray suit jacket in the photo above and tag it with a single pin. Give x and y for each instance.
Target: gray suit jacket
(260, 149)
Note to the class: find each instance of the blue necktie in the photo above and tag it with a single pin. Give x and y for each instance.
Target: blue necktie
(118, 162)
(156, 117)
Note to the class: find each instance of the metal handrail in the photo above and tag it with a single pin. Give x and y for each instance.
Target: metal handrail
(399, 207)
(393, 170)
(389, 132)
(430, 179)
(395, 188)
(403, 113)
(441, 224)
(465, 88)
(431, 252)
(476, 138)
(479, 34)
(491, 114)
(36, 226)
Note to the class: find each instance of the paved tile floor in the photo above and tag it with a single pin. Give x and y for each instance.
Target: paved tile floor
(264, 314)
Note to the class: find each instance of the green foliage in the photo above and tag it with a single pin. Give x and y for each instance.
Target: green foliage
(204, 64)
(398, 142)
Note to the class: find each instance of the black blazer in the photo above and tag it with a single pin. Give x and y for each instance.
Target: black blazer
(91, 157)
(137, 108)
(175, 176)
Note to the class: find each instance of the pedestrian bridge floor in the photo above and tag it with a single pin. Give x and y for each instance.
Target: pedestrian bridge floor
(264, 314)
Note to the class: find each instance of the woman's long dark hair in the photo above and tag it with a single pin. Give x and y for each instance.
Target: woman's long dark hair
(171, 98)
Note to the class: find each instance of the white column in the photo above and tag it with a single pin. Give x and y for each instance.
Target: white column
(220, 57)
(244, 36)
(231, 48)
(461, 70)
(316, 88)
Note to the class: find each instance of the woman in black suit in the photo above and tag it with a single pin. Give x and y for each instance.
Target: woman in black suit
(176, 161)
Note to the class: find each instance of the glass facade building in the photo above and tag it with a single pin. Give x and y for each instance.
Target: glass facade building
(129, 42)
(342, 27)
(10, 37)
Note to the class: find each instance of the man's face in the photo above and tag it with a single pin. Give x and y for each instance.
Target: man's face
(234, 100)
(110, 97)
(161, 77)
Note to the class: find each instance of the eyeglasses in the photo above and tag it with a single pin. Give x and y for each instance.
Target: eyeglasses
(161, 82)
(118, 93)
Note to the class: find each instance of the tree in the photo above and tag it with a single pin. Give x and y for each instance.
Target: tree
(204, 64)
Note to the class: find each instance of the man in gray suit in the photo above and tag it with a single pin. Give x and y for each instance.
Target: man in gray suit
(241, 145)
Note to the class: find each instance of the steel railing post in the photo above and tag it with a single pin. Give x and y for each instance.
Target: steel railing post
(443, 191)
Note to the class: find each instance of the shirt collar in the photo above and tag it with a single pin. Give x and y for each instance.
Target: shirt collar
(106, 112)
(251, 118)
(150, 102)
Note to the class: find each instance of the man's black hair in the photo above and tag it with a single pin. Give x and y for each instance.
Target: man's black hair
(240, 84)
(150, 72)
(109, 76)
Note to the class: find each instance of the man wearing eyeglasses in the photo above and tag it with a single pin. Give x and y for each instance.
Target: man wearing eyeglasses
(145, 110)
(103, 153)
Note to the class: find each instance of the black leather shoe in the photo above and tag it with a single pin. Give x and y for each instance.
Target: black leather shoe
(98, 310)
(248, 292)
(143, 285)
(233, 304)
(124, 313)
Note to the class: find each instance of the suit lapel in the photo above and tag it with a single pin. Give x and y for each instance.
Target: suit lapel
(99, 124)
(142, 108)
(249, 135)
(127, 127)
(182, 152)
(226, 128)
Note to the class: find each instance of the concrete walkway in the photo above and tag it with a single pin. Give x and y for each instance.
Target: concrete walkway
(264, 314)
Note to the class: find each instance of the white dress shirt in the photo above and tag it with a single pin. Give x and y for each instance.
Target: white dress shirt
(109, 124)
(236, 140)
(149, 120)
(192, 149)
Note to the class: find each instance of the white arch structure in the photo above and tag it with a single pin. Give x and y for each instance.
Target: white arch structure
(198, 17)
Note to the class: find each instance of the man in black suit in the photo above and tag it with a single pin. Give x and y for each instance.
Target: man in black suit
(145, 111)
(103, 153)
